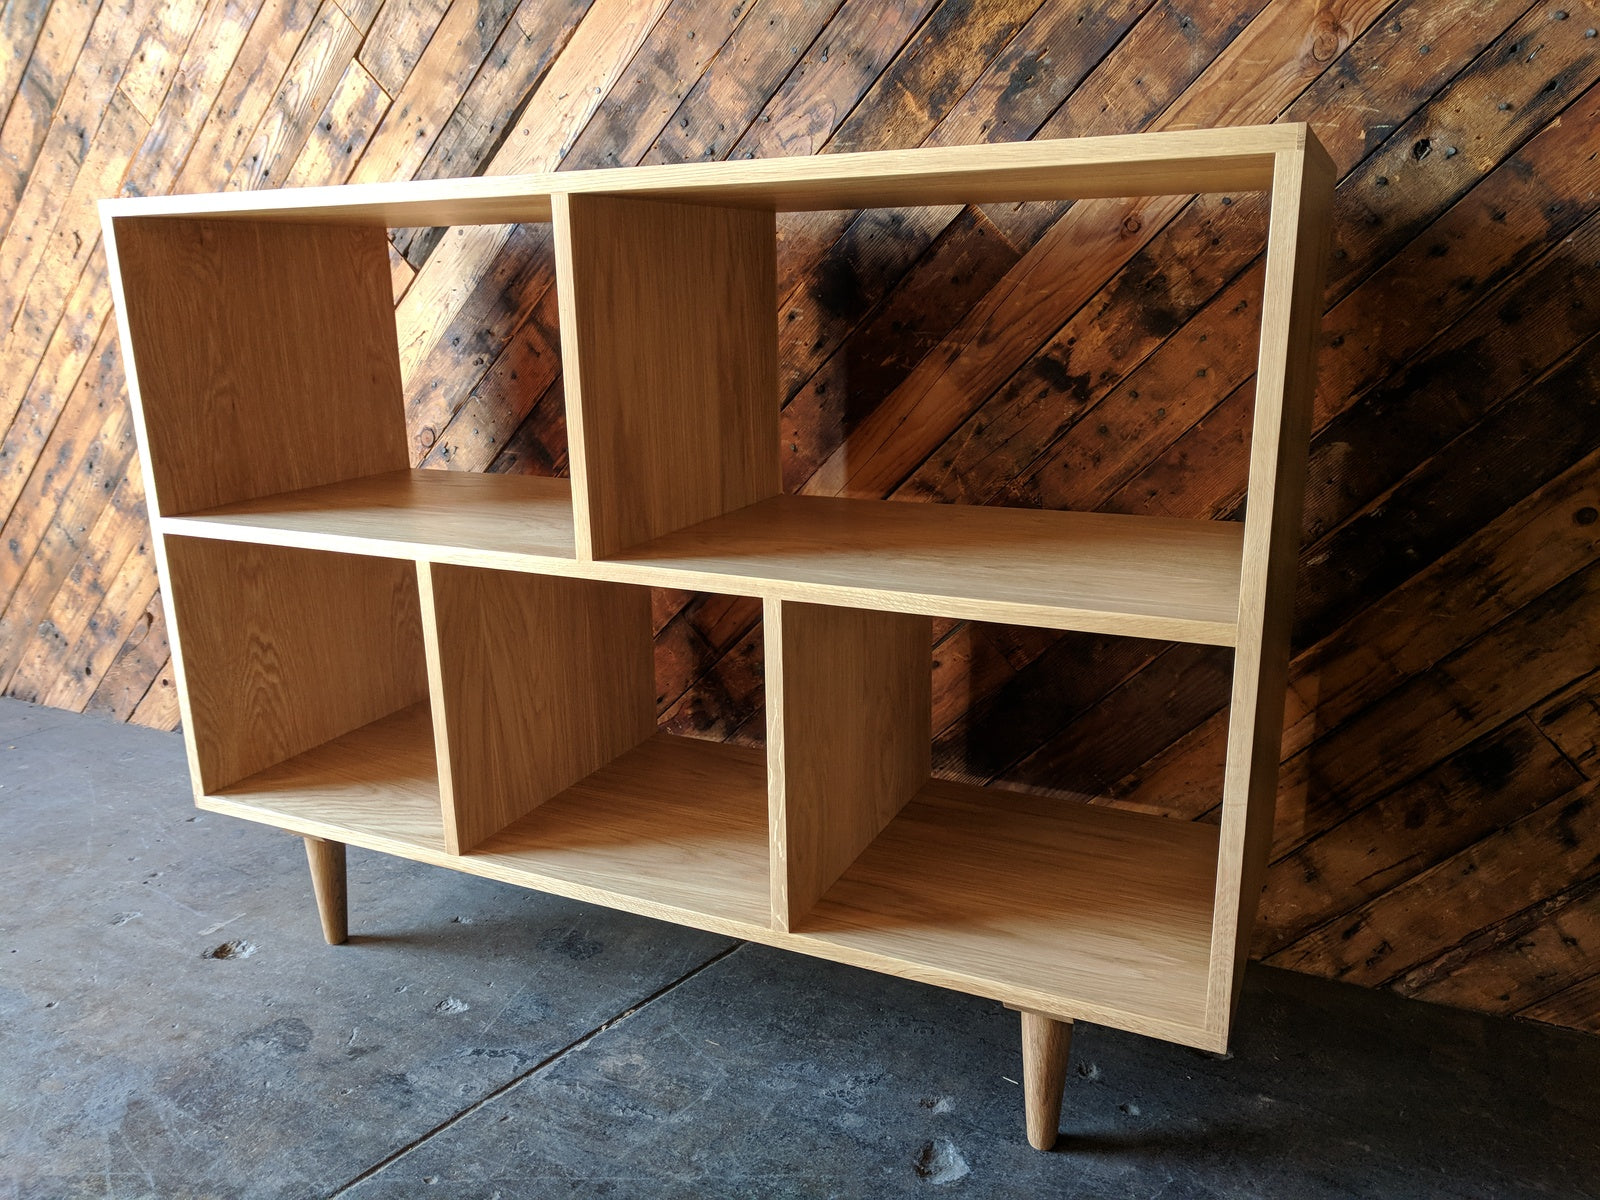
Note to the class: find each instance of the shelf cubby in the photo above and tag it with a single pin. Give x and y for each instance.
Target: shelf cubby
(457, 668)
(287, 649)
(551, 764)
(1059, 906)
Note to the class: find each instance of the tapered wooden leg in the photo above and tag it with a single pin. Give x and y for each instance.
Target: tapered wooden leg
(327, 880)
(1045, 1045)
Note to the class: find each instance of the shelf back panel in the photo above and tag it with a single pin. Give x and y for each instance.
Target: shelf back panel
(263, 356)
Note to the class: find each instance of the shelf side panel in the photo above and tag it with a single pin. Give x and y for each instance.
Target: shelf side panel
(669, 350)
(262, 356)
(1298, 243)
(849, 738)
(540, 681)
(285, 649)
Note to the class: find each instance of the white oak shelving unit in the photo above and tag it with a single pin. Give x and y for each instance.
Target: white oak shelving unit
(457, 668)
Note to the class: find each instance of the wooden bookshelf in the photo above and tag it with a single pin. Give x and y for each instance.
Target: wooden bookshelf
(457, 668)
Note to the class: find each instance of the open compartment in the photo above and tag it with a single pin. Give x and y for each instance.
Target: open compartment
(306, 695)
(269, 383)
(1064, 907)
(554, 774)
(673, 376)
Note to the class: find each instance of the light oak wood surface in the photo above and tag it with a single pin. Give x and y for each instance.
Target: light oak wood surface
(540, 682)
(457, 668)
(1052, 899)
(1046, 1047)
(849, 738)
(1097, 572)
(329, 882)
(285, 649)
(674, 829)
(670, 364)
(263, 357)
(444, 516)
(1078, 911)
(1103, 573)
(1171, 163)
(1286, 378)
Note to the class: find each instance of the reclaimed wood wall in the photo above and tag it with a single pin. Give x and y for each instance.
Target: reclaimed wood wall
(1439, 831)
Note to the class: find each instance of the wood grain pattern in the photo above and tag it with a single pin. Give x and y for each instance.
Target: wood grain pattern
(1291, 312)
(848, 739)
(671, 379)
(286, 649)
(539, 682)
(676, 829)
(247, 333)
(329, 881)
(1046, 1045)
(1151, 578)
(1438, 534)
(1100, 573)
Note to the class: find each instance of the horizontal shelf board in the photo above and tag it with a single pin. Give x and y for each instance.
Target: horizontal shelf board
(677, 823)
(674, 829)
(444, 516)
(1096, 572)
(1178, 162)
(1084, 912)
(1023, 896)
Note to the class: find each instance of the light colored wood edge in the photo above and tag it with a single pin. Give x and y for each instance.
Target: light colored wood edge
(573, 372)
(328, 880)
(1046, 1047)
(1177, 162)
(158, 544)
(1082, 620)
(849, 739)
(1063, 1008)
(439, 710)
(1297, 252)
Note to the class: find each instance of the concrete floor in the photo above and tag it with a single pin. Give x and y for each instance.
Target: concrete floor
(174, 1026)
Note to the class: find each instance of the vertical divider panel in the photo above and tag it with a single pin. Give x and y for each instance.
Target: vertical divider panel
(1286, 374)
(669, 354)
(849, 738)
(539, 681)
(286, 649)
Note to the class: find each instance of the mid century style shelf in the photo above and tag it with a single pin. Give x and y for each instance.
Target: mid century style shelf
(457, 668)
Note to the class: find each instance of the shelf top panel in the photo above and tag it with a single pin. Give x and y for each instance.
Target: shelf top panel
(1094, 572)
(1150, 164)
